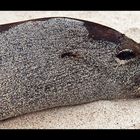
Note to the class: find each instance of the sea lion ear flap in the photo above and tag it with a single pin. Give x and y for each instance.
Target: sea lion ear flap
(126, 54)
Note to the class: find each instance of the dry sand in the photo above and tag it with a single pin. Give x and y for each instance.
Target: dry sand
(102, 114)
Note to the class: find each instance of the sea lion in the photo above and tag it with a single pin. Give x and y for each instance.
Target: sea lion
(60, 61)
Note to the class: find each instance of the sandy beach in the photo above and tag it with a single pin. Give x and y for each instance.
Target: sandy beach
(116, 114)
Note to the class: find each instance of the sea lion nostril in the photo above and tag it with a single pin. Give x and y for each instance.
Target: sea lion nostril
(126, 54)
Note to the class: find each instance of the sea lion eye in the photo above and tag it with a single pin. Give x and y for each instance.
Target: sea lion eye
(126, 54)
